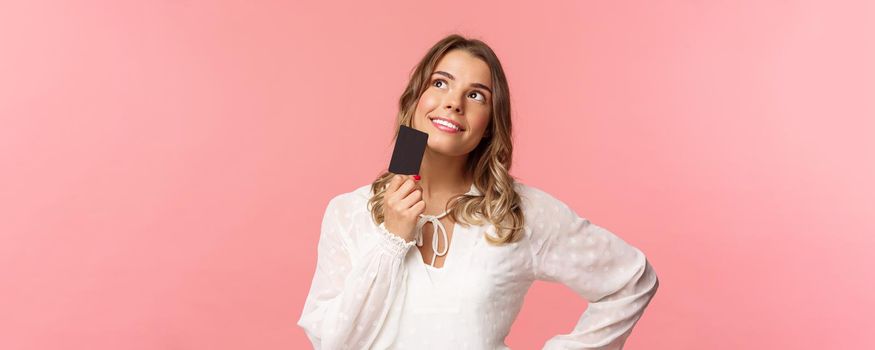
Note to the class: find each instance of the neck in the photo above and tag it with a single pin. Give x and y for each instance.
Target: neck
(442, 175)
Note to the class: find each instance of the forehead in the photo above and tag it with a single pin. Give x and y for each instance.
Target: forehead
(465, 67)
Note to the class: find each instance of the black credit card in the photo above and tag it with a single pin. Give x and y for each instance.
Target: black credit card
(409, 148)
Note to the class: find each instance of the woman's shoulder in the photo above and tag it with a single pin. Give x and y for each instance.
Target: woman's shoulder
(542, 208)
(351, 198)
(533, 197)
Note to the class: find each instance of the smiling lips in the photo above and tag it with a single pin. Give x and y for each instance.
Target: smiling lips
(447, 125)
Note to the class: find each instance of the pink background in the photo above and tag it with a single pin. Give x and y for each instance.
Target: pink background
(165, 164)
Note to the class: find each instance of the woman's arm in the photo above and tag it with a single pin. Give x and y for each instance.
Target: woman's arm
(349, 302)
(613, 276)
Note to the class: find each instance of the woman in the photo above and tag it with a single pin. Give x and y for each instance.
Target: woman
(463, 285)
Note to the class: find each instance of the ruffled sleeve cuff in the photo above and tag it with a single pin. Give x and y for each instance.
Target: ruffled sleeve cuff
(393, 243)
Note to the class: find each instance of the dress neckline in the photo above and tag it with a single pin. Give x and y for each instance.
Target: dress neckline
(438, 276)
(440, 232)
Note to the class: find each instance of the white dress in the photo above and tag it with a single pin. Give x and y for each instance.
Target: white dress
(372, 290)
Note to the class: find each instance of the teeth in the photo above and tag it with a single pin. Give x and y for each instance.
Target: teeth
(444, 123)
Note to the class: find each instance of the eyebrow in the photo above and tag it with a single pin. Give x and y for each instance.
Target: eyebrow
(479, 85)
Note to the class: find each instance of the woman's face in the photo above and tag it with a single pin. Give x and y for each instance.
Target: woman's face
(459, 90)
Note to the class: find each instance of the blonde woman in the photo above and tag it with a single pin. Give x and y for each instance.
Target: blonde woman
(443, 260)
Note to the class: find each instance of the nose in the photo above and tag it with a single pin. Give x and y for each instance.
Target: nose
(453, 104)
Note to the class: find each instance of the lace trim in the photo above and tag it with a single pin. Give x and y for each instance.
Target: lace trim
(393, 242)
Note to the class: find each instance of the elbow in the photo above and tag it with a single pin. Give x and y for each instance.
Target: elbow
(324, 338)
(310, 333)
(651, 278)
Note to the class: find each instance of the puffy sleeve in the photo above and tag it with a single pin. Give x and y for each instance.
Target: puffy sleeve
(350, 294)
(612, 275)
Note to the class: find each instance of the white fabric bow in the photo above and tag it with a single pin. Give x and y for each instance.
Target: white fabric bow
(438, 226)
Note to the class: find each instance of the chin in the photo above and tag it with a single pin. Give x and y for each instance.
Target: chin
(447, 150)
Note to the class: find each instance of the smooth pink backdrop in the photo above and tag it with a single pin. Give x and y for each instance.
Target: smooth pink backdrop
(165, 164)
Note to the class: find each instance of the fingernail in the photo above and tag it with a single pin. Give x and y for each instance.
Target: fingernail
(416, 177)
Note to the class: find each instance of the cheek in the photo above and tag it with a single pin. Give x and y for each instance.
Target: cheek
(480, 120)
(481, 125)
(427, 102)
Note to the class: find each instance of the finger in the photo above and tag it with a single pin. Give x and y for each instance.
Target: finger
(415, 185)
(407, 185)
(396, 182)
(418, 208)
(405, 189)
(411, 199)
(400, 188)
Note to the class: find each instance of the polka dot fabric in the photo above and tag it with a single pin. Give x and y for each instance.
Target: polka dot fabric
(370, 290)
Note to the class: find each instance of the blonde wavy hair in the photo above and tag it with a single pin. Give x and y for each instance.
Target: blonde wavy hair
(489, 162)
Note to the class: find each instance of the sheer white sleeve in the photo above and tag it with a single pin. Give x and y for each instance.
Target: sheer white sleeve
(350, 298)
(612, 275)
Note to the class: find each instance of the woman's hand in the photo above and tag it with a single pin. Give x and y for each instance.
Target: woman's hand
(402, 204)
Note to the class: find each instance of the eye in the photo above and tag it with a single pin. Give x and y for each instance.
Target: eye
(434, 83)
(482, 98)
